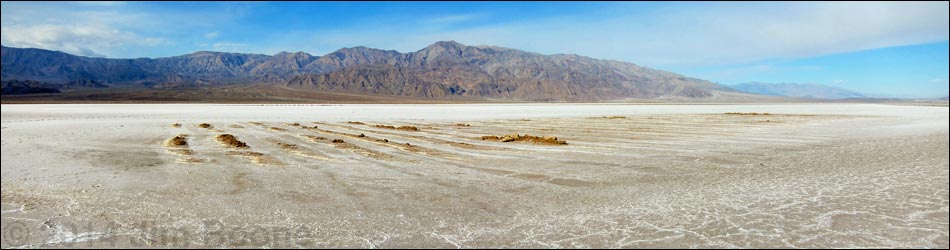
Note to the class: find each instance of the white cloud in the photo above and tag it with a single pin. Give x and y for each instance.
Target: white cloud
(449, 19)
(101, 3)
(229, 47)
(77, 29)
(108, 28)
(211, 35)
(86, 40)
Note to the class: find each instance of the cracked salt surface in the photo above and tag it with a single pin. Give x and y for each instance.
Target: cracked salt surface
(806, 176)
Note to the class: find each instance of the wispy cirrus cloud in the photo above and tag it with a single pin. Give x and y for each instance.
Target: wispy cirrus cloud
(457, 18)
(80, 39)
(212, 35)
(102, 3)
(229, 46)
(83, 28)
(101, 29)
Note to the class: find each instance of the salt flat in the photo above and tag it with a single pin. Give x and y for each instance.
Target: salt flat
(803, 175)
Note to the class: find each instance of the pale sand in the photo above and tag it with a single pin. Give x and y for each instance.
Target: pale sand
(808, 176)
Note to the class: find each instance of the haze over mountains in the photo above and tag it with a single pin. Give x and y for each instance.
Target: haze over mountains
(444, 69)
(801, 90)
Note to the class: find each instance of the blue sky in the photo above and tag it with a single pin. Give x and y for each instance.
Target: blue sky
(884, 49)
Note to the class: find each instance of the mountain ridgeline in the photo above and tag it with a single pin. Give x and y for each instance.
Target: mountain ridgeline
(441, 70)
(800, 90)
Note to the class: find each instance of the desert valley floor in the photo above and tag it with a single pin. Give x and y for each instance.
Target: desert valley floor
(434, 175)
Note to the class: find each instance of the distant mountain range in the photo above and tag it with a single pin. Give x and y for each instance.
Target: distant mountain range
(800, 90)
(16, 87)
(444, 69)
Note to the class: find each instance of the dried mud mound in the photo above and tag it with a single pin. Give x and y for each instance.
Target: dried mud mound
(179, 141)
(551, 140)
(737, 113)
(178, 145)
(205, 125)
(231, 141)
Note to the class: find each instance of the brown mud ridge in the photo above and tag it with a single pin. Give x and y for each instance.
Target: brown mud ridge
(423, 138)
(298, 125)
(315, 138)
(231, 141)
(609, 117)
(257, 157)
(737, 113)
(191, 160)
(338, 143)
(293, 148)
(176, 125)
(236, 126)
(277, 129)
(341, 144)
(287, 146)
(205, 125)
(381, 141)
(463, 125)
(552, 140)
(404, 128)
(357, 123)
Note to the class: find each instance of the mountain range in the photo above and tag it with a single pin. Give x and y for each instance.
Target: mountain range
(445, 69)
(799, 90)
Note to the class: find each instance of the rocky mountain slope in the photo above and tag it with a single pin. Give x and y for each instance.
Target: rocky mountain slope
(441, 70)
